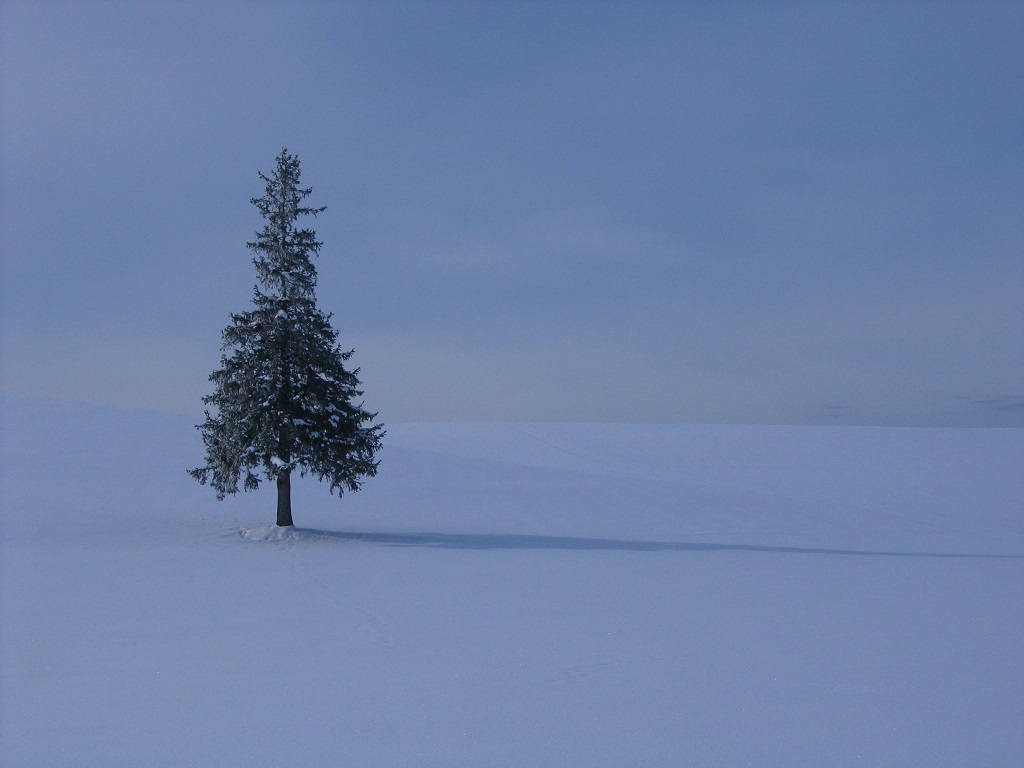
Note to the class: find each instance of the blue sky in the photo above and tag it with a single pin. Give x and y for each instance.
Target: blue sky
(805, 213)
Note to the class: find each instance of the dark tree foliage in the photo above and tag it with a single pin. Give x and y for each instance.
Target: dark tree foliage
(283, 398)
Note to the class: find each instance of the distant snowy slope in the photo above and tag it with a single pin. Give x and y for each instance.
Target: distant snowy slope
(515, 594)
(917, 489)
(903, 488)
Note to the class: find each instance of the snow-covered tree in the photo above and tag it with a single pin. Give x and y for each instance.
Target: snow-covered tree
(284, 399)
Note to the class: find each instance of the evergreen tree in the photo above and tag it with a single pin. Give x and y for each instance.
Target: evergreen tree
(284, 400)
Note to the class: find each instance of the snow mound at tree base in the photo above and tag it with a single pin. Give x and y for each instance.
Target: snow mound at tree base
(279, 533)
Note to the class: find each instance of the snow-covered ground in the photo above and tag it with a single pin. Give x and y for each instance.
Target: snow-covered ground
(516, 594)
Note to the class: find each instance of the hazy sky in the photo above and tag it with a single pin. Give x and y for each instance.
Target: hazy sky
(714, 212)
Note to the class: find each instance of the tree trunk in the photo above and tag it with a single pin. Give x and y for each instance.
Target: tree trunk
(284, 499)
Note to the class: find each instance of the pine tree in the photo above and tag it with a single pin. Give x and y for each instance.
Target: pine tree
(284, 399)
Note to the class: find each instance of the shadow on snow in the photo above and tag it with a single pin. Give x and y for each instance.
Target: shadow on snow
(509, 541)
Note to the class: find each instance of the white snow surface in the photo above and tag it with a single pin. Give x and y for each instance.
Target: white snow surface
(515, 594)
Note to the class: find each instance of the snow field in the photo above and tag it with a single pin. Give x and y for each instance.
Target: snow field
(515, 594)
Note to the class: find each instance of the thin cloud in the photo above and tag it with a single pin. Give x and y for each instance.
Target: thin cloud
(1004, 404)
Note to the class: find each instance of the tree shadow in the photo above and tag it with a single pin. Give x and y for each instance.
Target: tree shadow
(511, 541)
